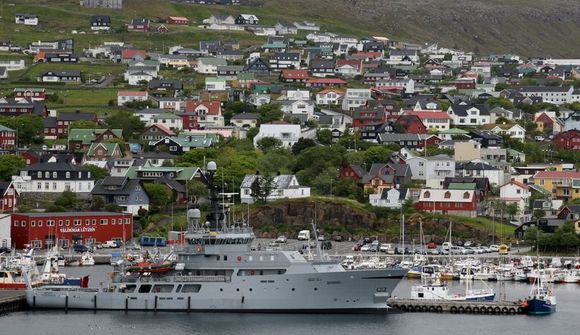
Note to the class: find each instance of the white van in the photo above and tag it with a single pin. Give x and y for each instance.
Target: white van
(446, 246)
(304, 235)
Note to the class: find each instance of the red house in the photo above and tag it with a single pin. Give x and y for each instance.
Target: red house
(65, 119)
(7, 138)
(140, 25)
(568, 140)
(352, 171)
(199, 114)
(30, 157)
(42, 229)
(325, 82)
(410, 124)
(177, 20)
(463, 84)
(455, 202)
(8, 197)
(294, 76)
(32, 94)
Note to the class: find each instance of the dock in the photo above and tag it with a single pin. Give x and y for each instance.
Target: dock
(457, 307)
(12, 300)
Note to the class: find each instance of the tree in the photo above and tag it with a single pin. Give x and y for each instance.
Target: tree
(268, 143)
(131, 124)
(377, 154)
(269, 113)
(252, 132)
(512, 209)
(159, 196)
(302, 144)
(261, 188)
(10, 165)
(29, 128)
(97, 203)
(97, 173)
(196, 190)
(324, 136)
(501, 120)
(67, 200)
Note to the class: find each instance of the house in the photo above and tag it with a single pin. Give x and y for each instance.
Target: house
(139, 25)
(81, 139)
(56, 57)
(329, 97)
(549, 94)
(286, 29)
(547, 122)
(399, 86)
(175, 61)
(65, 119)
(519, 193)
(355, 97)
(432, 169)
(178, 20)
(324, 82)
(100, 22)
(30, 94)
(209, 65)
(171, 103)
(288, 134)
(302, 109)
(60, 77)
(183, 143)
(390, 198)
(454, 202)
(26, 19)
(385, 175)
(167, 119)
(9, 197)
(202, 114)
(247, 19)
(410, 124)
(137, 55)
(486, 138)
(165, 87)
(7, 138)
(433, 120)
(409, 141)
(348, 67)
(285, 60)
(354, 172)
(322, 67)
(258, 66)
(16, 107)
(480, 169)
(284, 187)
(40, 230)
(511, 130)
(294, 76)
(245, 120)
(230, 72)
(156, 132)
(403, 57)
(562, 184)
(55, 175)
(482, 187)
(129, 96)
(215, 84)
(572, 121)
(464, 114)
(129, 194)
(220, 19)
(568, 140)
(103, 151)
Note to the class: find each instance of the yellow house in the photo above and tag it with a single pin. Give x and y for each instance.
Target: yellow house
(563, 184)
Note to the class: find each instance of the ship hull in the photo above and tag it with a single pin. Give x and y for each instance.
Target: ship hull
(539, 307)
(360, 291)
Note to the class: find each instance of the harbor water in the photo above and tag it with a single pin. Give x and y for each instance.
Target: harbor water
(49, 322)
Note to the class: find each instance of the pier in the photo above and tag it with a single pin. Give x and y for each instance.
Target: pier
(457, 307)
(12, 300)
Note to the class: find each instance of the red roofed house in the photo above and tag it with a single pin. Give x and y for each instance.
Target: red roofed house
(436, 120)
(200, 114)
(177, 20)
(329, 97)
(568, 140)
(322, 82)
(127, 96)
(156, 132)
(349, 67)
(516, 192)
(294, 76)
(128, 55)
(409, 124)
(456, 202)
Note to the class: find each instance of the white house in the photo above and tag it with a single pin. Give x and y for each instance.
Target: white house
(288, 134)
(405, 85)
(432, 169)
(127, 96)
(550, 94)
(26, 19)
(433, 120)
(284, 187)
(215, 84)
(171, 103)
(479, 168)
(209, 65)
(135, 78)
(355, 97)
(403, 57)
(329, 97)
(390, 198)
(303, 109)
(53, 176)
(5, 223)
(516, 192)
(464, 114)
(512, 130)
(168, 120)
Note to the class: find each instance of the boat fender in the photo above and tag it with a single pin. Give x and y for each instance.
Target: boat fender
(424, 309)
(411, 308)
(489, 310)
(497, 310)
(520, 310)
(475, 310)
(504, 310)
(461, 309)
(453, 309)
(512, 311)
(239, 258)
(439, 309)
(404, 308)
(431, 309)
(468, 310)
(395, 306)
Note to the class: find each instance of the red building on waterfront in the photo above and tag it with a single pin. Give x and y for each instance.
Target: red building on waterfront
(42, 229)
(455, 202)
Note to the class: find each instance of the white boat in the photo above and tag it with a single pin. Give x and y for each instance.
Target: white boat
(87, 259)
(571, 276)
(487, 272)
(437, 290)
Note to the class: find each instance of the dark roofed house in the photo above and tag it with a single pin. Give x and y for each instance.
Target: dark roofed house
(322, 67)
(60, 76)
(353, 171)
(129, 194)
(140, 25)
(9, 197)
(16, 107)
(258, 66)
(100, 22)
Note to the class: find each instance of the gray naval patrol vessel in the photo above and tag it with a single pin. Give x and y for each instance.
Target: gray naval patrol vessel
(219, 271)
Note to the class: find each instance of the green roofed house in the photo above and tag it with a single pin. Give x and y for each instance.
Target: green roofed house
(174, 178)
(462, 186)
(183, 143)
(103, 151)
(81, 139)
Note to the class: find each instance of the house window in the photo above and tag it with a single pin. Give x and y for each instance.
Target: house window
(60, 223)
(94, 222)
(32, 223)
(104, 222)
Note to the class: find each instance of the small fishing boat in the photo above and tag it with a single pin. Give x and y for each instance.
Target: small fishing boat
(13, 280)
(87, 259)
(151, 267)
(571, 276)
(486, 273)
(542, 300)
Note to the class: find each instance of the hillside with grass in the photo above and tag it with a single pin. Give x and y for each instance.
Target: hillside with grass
(527, 27)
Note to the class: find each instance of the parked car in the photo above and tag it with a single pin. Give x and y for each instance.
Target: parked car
(337, 238)
(358, 245)
(366, 247)
(321, 238)
(539, 138)
(494, 248)
(467, 244)
(111, 244)
(273, 243)
(326, 245)
(81, 248)
(133, 247)
(386, 247)
(431, 245)
(281, 239)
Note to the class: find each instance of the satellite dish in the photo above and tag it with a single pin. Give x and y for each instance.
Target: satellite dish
(211, 166)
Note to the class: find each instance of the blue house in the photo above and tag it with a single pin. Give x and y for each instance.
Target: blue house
(127, 193)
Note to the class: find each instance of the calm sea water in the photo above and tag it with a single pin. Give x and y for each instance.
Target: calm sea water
(565, 321)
